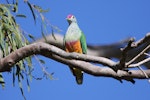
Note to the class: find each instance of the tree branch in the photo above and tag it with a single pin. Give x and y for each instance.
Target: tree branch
(133, 45)
(105, 51)
(59, 55)
(136, 57)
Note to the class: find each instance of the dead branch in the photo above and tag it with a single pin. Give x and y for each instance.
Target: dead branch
(132, 45)
(140, 54)
(125, 50)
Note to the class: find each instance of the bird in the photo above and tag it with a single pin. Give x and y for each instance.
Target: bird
(75, 41)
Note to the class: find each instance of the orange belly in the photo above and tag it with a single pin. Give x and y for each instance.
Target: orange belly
(73, 47)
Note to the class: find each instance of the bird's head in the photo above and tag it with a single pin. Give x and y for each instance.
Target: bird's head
(71, 18)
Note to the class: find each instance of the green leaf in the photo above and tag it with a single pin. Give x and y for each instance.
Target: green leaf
(13, 76)
(6, 49)
(43, 33)
(29, 61)
(15, 8)
(20, 86)
(42, 61)
(28, 84)
(18, 69)
(30, 76)
(21, 15)
(40, 9)
(2, 81)
(51, 76)
(21, 75)
(53, 34)
(31, 36)
(33, 14)
(2, 43)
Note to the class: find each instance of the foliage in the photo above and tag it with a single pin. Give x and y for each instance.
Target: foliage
(12, 38)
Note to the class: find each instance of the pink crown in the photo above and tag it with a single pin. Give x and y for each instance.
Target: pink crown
(69, 16)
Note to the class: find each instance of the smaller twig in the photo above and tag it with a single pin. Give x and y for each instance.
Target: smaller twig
(139, 63)
(121, 64)
(140, 68)
(143, 72)
(141, 41)
(136, 57)
(43, 68)
(29, 73)
(130, 46)
(147, 54)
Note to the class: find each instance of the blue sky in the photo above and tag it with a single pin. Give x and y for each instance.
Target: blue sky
(103, 22)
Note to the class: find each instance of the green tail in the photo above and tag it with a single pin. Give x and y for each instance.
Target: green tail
(78, 75)
(79, 80)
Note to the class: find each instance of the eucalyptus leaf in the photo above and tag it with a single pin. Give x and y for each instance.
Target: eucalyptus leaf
(2, 81)
(21, 15)
(42, 61)
(31, 36)
(32, 11)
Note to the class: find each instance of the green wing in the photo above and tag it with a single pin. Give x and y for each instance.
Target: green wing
(64, 46)
(83, 43)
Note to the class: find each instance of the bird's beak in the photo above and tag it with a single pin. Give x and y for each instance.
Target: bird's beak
(68, 20)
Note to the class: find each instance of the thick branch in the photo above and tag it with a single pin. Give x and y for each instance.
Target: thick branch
(105, 51)
(59, 55)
